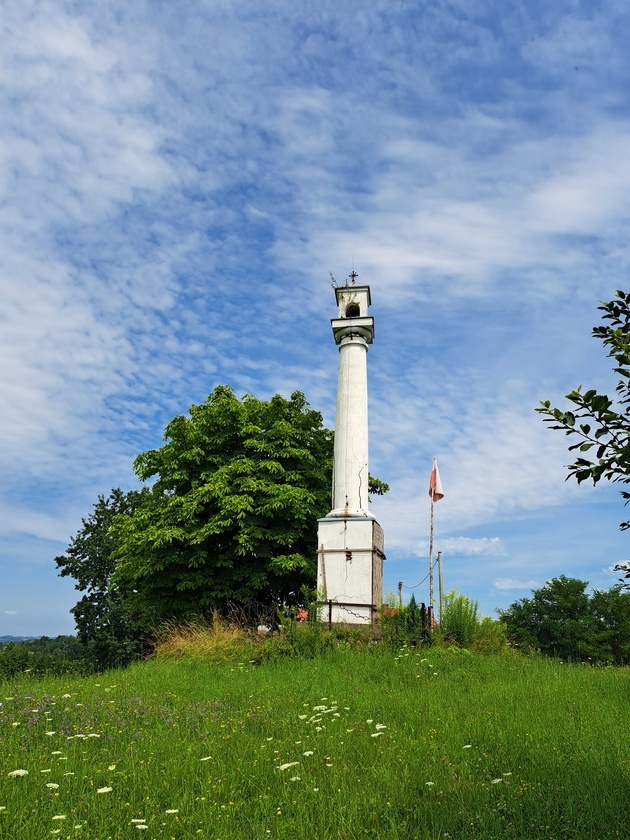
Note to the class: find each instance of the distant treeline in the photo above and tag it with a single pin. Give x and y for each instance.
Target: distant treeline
(62, 655)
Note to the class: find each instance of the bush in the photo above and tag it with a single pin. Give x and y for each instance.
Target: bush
(491, 637)
(460, 620)
(405, 624)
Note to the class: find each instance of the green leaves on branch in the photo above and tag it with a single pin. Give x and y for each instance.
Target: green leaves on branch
(601, 424)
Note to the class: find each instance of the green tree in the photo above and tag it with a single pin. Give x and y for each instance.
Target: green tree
(601, 424)
(239, 485)
(557, 620)
(103, 622)
(612, 612)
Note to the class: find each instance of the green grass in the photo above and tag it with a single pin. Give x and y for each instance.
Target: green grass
(419, 744)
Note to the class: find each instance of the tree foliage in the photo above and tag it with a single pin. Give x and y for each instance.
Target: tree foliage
(239, 485)
(560, 619)
(101, 617)
(600, 424)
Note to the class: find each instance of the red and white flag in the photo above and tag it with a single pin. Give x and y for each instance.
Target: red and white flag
(435, 485)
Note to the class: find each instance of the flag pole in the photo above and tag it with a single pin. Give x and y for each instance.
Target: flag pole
(431, 559)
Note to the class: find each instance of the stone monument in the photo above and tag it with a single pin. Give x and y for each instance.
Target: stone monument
(350, 540)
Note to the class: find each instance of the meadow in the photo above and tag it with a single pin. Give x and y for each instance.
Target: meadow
(352, 743)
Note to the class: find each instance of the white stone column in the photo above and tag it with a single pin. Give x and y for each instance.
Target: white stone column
(350, 475)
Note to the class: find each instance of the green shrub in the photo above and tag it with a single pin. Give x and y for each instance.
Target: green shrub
(460, 620)
(404, 624)
(491, 637)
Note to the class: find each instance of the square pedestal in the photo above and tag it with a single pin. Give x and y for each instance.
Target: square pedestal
(349, 569)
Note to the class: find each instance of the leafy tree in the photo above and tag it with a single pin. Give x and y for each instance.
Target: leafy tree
(231, 516)
(103, 622)
(612, 612)
(601, 424)
(560, 620)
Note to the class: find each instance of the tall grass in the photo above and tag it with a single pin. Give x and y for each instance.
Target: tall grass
(350, 744)
(216, 638)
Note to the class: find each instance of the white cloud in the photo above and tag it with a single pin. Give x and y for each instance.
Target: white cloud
(510, 583)
(10, 612)
(487, 546)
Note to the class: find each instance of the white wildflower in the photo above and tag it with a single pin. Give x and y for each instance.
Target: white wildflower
(206, 758)
(380, 726)
(18, 773)
(467, 747)
(137, 822)
(59, 817)
(172, 811)
(52, 785)
(308, 752)
(375, 734)
(104, 790)
(369, 721)
(295, 779)
(429, 784)
(289, 764)
(496, 781)
(112, 767)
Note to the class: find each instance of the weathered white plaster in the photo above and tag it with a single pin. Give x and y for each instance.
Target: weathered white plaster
(352, 335)
(350, 569)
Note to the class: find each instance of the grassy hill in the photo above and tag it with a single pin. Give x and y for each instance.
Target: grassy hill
(355, 743)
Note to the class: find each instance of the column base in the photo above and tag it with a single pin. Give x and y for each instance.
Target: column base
(350, 513)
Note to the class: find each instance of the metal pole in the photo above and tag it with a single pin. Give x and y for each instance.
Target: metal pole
(440, 587)
(431, 558)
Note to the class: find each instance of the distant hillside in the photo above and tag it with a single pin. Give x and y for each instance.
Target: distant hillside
(4, 640)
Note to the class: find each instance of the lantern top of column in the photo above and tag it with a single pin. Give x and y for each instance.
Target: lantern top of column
(353, 302)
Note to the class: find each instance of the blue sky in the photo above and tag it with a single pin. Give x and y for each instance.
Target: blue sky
(176, 183)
